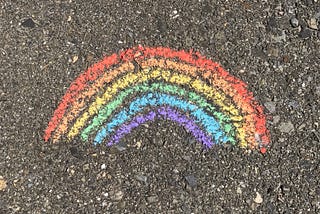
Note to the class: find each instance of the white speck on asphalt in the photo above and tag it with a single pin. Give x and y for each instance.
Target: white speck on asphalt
(286, 127)
(258, 199)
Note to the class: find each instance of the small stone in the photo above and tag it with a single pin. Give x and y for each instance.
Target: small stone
(138, 144)
(272, 23)
(152, 199)
(220, 36)
(121, 205)
(189, 41)
(242, 184)
(192, 181)
(191, 140)
(274, 52)
(305, 33)
(174, 14)
(86, 167)
(120, 148)
(75, 152)
(254, 206)
(271, 106)
(116, 195)
(294, 22)
(186, 209)
(258, 199)
(28, 23)
(278, 39)
(175, 201)
(144, 125)
(302, 126)
(103, 166)
(89, 58)
(72, 171)
(286, 127)
(3, 183)
(239, 191)
(318, 87)
(276, 119)
(187, 158)
(162, 26)
(285, 188)
(142, 178)
(312, 23)
(318, 191)
(241, 71)
(101, 175)
(75, 59)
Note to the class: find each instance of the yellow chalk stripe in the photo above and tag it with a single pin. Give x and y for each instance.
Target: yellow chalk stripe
(218, 82)
(180, 79)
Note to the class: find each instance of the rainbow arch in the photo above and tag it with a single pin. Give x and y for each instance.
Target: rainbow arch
(184, 87)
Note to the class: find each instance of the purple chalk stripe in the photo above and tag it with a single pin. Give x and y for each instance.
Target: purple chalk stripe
(162, 113)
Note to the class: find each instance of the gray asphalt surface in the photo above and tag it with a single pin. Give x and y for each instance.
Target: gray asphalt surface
(260, 43)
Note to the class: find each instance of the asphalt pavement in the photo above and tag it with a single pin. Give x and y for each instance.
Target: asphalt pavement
(273, 46)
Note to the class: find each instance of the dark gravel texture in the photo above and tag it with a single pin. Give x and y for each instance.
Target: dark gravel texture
(165, 172)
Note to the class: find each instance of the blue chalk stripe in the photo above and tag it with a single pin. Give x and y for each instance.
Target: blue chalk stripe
(159, 99)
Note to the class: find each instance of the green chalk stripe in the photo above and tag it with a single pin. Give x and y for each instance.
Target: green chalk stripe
(104, 113)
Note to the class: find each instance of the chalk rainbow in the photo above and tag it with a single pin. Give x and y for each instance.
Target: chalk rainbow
(142, 84)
